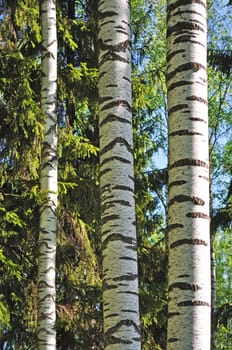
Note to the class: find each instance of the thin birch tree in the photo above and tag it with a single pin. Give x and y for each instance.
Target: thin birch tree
(119, 246)
(188, 213)
(48, 217)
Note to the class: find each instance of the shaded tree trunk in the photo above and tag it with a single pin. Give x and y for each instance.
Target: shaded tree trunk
(48, 218)
(119, 246)
(188, 212)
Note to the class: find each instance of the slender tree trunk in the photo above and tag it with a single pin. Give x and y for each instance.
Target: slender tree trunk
(213, 297)
(189, 236)
(119, 246)
(70, 107)
(48, 220)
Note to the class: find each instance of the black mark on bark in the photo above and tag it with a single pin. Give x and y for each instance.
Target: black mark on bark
(117, 237)
(187, 38)
(110, 339)
(111, 315)
(198, 120)
(127, 258)
(184, 286)
(107, 218)
(128, 277)
(193, 303)
(177, 108)
(173, 340)
(117, 103)
(174, 53)
(184, 198)
(183, 27)
(189, 162)
(179, 3)
(197, 215)
(120, 159)
(107, 286)
(177, 183)
(172, 314)
(174, 226)
(114, 118)
(104, 171)
(194, 66)
(178, 84)
(190, 241)
(197, 98)
(185, 133)
(106, 14)
(118, 140)
(123, 188)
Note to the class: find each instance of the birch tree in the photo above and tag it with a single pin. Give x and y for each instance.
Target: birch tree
(48, 220)
(119, 247)
(189, 238)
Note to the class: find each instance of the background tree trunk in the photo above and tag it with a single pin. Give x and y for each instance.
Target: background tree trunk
(48, 218)
(189, 237)
(213, 297)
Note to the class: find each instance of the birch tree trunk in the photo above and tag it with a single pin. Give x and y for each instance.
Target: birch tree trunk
(119, 246)
(213, 297)
(48, 220)
(189, 236)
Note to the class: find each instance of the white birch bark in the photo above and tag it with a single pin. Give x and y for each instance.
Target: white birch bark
(119, 246)
(46, 333)
(189, 237)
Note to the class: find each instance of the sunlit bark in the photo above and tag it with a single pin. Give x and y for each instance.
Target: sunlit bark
(189, 237)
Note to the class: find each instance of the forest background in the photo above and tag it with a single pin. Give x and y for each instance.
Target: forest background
(79, 284)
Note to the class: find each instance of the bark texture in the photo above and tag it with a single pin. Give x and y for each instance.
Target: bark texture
(48, 217)
(189, 237)
(119, 247)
